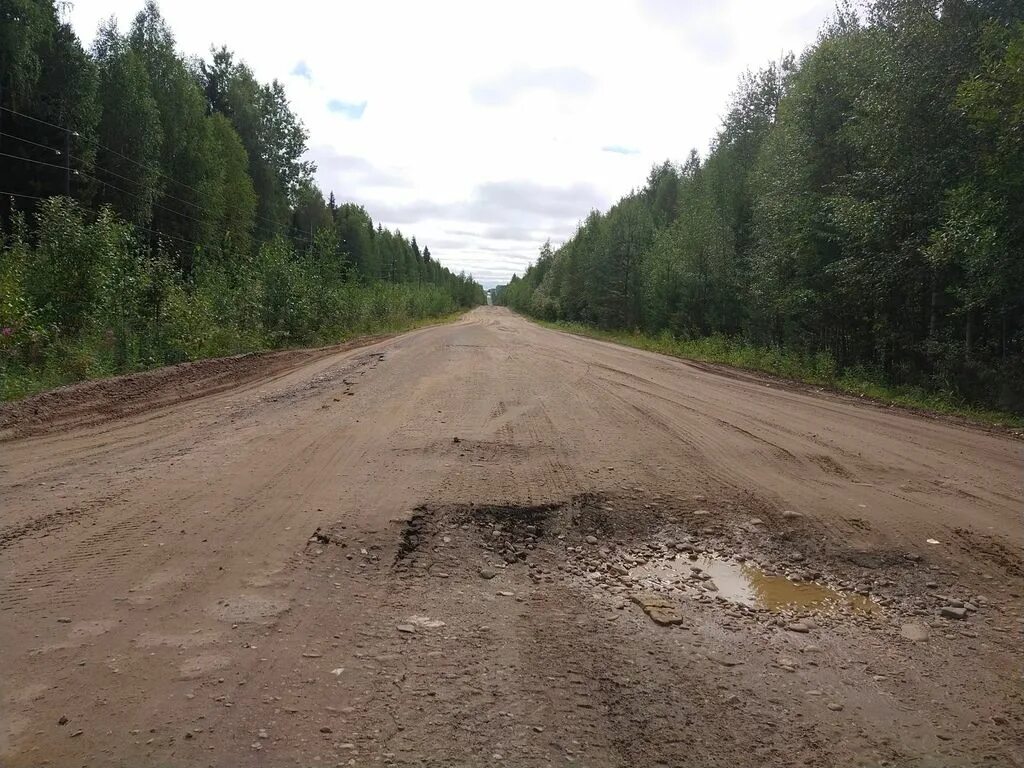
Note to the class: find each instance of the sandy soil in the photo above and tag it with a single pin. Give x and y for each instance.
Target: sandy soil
(435, 550)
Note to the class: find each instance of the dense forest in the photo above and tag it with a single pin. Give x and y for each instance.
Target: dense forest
(157, 209)
(862, 204)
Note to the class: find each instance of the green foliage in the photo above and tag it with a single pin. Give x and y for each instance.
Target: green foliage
(89, 298)
(193, 226)
(864, 203)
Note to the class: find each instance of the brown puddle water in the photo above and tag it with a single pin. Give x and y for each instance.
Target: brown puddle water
(746, 584)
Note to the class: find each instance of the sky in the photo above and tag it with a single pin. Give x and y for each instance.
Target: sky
(486, 128)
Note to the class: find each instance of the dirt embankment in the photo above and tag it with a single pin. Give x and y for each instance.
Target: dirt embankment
(89, 403)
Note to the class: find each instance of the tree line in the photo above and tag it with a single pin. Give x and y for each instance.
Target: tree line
(863, 201)
(180, 187)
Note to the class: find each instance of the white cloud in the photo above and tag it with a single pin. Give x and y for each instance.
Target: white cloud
(492, 126)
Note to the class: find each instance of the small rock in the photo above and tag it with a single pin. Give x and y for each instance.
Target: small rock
(63, 620)
(456, 440)
(798, 626)
(952, 612)
(789, 514)
(661, 610)
(262, 734)
(835, 706)
(591, 539)
(79, 732)
(326, 729)
(63, 720)
(916, 632)
(971, 607)
(312, 655)
(407, 628)
(487, 572)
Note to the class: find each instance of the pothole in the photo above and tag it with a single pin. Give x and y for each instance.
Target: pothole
(747, 585)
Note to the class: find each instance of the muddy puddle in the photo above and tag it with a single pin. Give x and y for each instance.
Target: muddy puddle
(745, 584)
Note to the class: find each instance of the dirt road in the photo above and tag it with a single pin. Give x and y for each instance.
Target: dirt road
(447, 549)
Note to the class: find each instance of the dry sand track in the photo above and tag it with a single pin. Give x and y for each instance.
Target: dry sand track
(428, 551)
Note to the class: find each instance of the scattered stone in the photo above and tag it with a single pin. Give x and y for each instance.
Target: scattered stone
(661, 610)
(326, 729)
(798, 626)
(63, 620)
(456, 440)
(79, 732)
(789, 514)
(487, 572)
(971, 607)
(262, 734)
(407, 628)
(725, 661)
(916, 632)
(312, 655)
(835, 706)
(952, 612)
(591, 539)
(63, 720)
(506, 593)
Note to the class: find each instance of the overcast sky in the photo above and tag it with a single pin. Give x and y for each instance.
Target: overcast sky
(484, 128)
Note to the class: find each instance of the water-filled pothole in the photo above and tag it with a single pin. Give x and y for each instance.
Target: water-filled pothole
(745, 584)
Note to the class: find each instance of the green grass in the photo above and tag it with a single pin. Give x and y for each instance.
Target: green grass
(83, 361)
(819, 370)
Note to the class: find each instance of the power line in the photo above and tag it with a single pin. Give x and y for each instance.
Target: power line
(135, 181)
(28, 197)
(30, 160)
(137, 226)
(33, 143)
(36, 119)
(154, 169)
(281, 228)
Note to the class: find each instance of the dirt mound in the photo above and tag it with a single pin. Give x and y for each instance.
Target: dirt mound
(94, 402)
